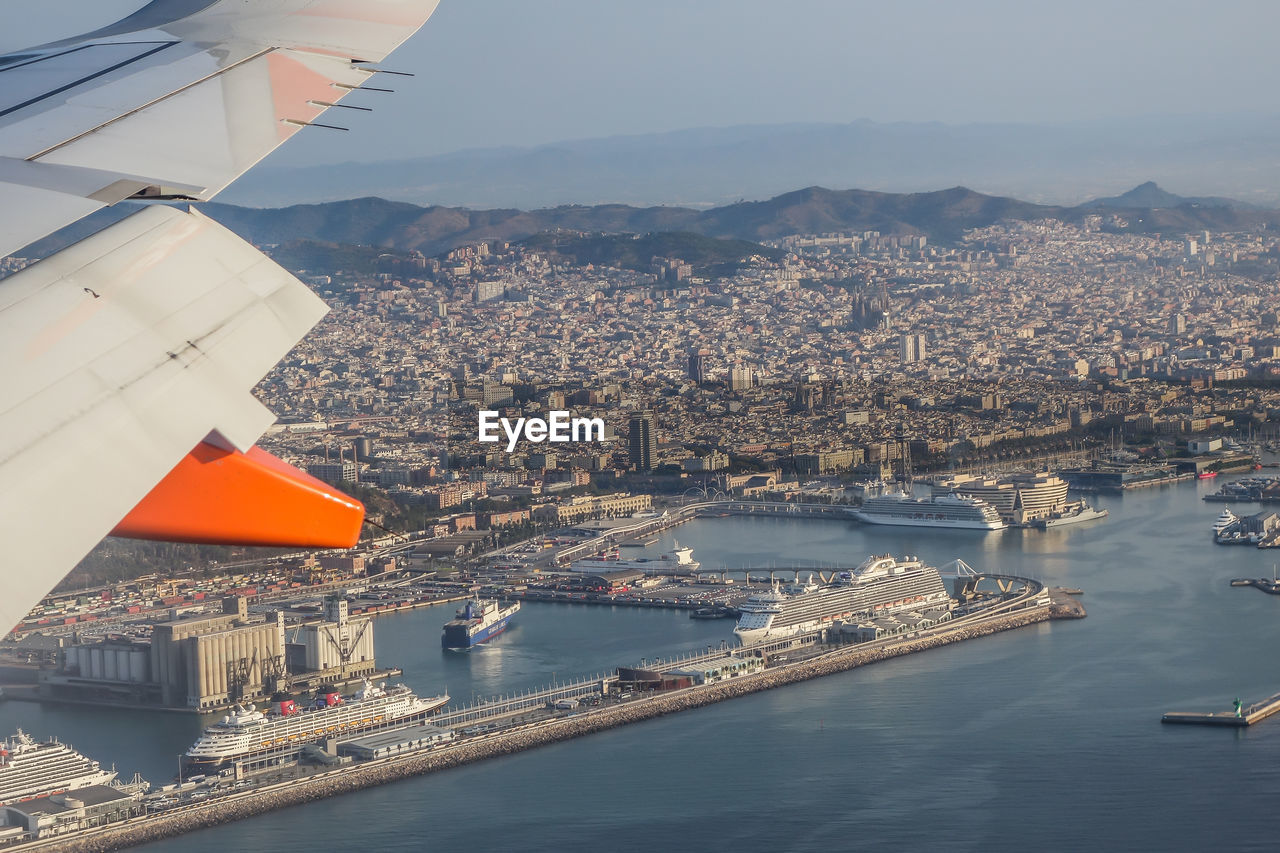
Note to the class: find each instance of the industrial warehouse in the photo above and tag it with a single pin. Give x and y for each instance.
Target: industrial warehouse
(206, 663)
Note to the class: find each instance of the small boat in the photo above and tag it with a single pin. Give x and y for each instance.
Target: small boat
(1070, 514)
(1207, 475)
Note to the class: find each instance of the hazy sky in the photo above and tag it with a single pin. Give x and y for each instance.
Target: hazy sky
(520, 72)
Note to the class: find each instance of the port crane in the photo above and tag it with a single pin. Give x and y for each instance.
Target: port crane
(239, 675)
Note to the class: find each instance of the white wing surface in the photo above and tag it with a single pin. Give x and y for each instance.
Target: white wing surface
(176, 107)
(122, 353)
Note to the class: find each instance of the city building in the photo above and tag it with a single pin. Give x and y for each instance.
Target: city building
(587, 506)
(912, 348)
(643, 441)
(741, 378)
(697, 368)
(333, 472)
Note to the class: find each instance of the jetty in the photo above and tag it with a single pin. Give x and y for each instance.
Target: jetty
(1242, 715)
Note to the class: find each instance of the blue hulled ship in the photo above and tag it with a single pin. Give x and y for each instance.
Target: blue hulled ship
(476, 622)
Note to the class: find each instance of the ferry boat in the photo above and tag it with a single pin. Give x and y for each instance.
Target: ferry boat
(478, 620)
(31, 769)
(677, 561)
(881, 585)
(254, 738)
(1072, 513)
(948, 510)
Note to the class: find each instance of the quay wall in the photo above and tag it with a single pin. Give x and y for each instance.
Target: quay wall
(353, 778)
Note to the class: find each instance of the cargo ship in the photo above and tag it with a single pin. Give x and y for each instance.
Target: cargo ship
(254, 739)
(31, 769)
(478, 620)
(881, 585)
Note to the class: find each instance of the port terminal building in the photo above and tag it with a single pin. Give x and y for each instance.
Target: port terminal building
(395, 742)
(894, 624)
(1020, 498)
(72, 811)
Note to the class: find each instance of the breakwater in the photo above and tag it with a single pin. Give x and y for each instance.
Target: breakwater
(330, 783)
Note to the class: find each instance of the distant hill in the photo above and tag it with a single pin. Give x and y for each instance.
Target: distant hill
(432, 230)
(1150, 196)
(942, 216)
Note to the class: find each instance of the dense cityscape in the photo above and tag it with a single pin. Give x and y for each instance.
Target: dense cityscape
(1023, 338)
(689, 426)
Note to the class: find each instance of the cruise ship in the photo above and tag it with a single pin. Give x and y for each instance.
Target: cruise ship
(881, 585)
(936, 511)
(256, 738)
(35, 769)
(1019, 498)
(476, 622)
(678, 561)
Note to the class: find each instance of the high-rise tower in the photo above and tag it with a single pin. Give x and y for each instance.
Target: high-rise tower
(643, 441)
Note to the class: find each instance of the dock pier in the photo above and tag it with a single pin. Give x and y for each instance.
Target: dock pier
(1239, 718)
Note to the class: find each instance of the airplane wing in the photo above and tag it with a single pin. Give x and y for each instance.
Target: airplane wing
(127, 359)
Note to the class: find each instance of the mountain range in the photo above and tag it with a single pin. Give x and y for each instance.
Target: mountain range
(942, 216)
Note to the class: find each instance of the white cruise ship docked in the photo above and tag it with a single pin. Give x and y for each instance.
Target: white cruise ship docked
(902, 509)
(35, 769)
(256, 738)
(881, 585)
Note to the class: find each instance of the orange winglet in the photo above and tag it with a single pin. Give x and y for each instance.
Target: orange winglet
(224, 497)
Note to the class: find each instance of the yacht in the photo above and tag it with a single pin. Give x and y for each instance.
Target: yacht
(1224, 521)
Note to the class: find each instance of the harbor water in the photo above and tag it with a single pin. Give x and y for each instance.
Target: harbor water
(1047, 737)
